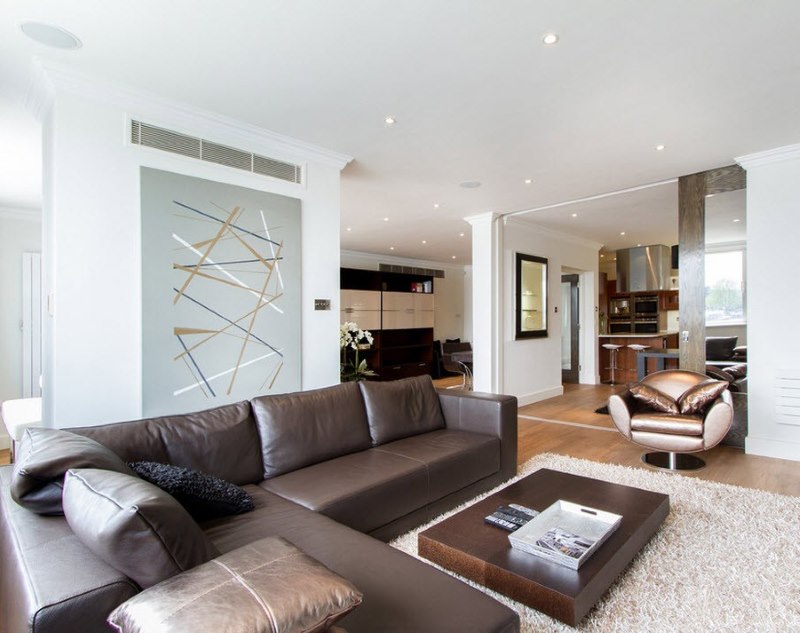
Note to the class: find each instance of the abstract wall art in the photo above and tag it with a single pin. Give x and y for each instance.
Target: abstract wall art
(220, 293)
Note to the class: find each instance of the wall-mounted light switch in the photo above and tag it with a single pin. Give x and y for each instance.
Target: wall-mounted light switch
(685, 336)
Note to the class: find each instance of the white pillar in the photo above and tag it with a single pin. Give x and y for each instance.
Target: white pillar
(486, 302)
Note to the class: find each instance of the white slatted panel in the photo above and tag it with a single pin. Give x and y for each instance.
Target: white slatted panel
(787, 397)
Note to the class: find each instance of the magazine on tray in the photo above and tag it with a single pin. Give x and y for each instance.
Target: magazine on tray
(566, 533)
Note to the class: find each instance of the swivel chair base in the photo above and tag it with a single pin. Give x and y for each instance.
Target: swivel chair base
(673, 461)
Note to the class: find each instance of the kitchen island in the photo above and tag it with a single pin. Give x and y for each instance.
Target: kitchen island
(626, 357)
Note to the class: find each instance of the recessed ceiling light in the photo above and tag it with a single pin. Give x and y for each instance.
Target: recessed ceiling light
(470, 184)
(659, 148)
(452, 257)
(638, 245)
(710, 195)
(622, 232)
(435, 205)
(736, 220)
(385, 219)
(349, 229)
(50, 35)
(460, 235)
(391, 248)
(528, 181)
(389, 120)
(574, 215)
(424, 241)
(601, 255)
(550, 39)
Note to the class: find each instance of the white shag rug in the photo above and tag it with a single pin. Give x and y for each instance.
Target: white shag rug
(725, 559)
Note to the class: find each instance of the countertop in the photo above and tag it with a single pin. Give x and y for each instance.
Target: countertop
(653, 335)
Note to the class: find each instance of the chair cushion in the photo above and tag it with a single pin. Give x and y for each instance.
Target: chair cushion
(654, 399)
(401, 408)
(304, 428)
(736, 371)
(697, 399)
(204, 496)
(44, 456)
(667, 423)
(133, 525)
(268, 586)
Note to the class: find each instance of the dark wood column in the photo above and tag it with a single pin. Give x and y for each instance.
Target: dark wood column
(692, 192)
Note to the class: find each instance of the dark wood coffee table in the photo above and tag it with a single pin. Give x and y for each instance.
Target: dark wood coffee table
(467, 546)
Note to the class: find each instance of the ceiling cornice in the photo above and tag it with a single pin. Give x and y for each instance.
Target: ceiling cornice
(541, 230)
(777, 155)
(401, 261)
(190, 118)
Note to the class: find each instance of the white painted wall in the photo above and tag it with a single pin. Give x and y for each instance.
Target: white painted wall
(20, 232)
(532, 367)
(91, 222)
(448, 293)
(773, 259)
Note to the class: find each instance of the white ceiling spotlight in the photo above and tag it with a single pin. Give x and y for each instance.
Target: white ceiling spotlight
(385, 219)
(548, 39)
(452, 257)
(574, 215)
(389, 121)
(50, 35)
(470, 184)
(528, 181)
(435, 205)
(660, 148)
(622, 232)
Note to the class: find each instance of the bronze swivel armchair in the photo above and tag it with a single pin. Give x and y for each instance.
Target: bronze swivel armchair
(669, 411)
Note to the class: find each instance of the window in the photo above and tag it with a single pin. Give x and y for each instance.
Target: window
(725, 287)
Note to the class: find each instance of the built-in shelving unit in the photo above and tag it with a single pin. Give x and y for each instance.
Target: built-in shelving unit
(398, 309)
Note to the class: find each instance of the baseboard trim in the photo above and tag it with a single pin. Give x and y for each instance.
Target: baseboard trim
(538, 396)
(766, 447)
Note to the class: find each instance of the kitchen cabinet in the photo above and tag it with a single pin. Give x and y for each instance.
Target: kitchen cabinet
(669, 300)
(362, 307)
(399, 315)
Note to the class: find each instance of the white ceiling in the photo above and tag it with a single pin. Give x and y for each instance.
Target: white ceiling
(475, 93)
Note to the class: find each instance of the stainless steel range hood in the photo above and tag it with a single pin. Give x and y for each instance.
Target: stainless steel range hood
(643, 268)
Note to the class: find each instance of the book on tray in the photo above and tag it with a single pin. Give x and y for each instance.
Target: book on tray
(566, 533)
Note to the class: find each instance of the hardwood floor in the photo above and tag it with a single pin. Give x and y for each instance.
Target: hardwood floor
(568, 425)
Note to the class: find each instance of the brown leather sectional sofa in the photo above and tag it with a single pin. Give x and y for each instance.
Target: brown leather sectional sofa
(334, 471)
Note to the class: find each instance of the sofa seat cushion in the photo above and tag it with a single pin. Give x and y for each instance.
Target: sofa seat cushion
(400, 592)
(308, 427)
(363, 490)
(453, 459)
(671, 423)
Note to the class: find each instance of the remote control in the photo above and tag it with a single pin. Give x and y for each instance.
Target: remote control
(531, 513)
(506, 525)
(514, 512)
(519, 521)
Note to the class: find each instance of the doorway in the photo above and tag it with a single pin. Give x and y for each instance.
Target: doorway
(570, 329)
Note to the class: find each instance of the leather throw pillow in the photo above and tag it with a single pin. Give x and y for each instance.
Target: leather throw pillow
(697, 399)
(204, 496)
(132, 525)
(44, 456)
(654, 399)
(266, 586)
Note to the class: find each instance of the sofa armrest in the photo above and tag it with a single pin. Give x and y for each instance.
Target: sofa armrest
(487, 413)
(717, 420)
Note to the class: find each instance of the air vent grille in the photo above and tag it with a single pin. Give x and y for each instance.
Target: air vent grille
(411, 270)
(169, 141)
(787, 402)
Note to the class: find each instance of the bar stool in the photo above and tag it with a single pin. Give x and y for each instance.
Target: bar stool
(613, 350)
(636, 347)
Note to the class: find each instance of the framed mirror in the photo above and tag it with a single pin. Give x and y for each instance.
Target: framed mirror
(531, 291)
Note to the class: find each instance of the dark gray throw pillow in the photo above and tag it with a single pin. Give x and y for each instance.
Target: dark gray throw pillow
(204, 496)
(132, 525)
(44, 456)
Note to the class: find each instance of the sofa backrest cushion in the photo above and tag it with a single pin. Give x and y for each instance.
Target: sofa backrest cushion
(44, 456)
(132, 525)
(222, 442)
(307, 427)
(401, 408)
(720, 347)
